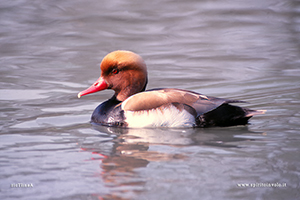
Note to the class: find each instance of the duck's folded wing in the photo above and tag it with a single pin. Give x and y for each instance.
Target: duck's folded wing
(156, 98)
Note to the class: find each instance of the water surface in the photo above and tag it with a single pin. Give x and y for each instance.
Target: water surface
(51, 50)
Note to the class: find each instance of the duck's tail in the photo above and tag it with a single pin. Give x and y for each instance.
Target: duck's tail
(227, 115)
(255, 112)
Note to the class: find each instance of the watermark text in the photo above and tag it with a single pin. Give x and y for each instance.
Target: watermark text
(21, 185)
(261, 185)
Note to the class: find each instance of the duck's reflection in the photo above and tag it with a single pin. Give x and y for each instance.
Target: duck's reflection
(131, 150)
(223, 137)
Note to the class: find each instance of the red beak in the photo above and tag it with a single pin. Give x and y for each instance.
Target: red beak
(99, 85)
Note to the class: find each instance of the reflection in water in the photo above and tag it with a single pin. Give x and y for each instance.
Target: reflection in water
(179, 137)
(132, 150)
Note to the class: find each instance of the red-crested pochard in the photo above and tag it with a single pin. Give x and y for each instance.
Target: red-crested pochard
(131, 106)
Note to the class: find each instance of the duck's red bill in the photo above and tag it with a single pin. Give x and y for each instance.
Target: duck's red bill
(99, 85)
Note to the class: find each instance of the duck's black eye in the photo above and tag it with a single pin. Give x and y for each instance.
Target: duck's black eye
(115, 71)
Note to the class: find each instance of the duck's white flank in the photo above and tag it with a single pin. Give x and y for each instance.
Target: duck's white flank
(166, 116)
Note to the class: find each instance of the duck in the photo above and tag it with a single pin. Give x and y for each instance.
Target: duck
(132, 106)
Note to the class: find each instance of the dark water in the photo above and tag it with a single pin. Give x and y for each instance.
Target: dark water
(51, 50)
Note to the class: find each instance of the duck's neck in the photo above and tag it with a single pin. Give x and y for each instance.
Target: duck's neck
(127, 92)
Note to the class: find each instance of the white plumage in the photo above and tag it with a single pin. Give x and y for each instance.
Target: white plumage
(168, 116)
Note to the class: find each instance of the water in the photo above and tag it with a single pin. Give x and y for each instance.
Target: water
(51, 50)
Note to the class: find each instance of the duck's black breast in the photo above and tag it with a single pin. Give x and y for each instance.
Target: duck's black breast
(109, 113)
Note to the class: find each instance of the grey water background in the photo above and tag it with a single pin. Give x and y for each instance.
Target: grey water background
(246, 50)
